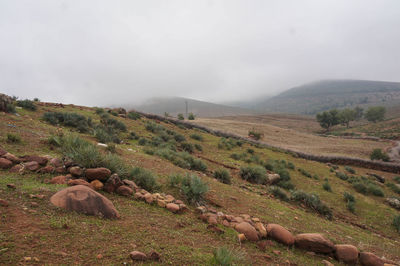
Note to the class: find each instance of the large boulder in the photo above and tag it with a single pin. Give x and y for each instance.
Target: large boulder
(124, 191)
(75, 171)
(83, 199)
(314, 242)
(5, 163)
(56, 162)
(346, 253)
(370, 259)
(280, 234)
(46, 170)
(248, 230)
(32, 166)
(35, 158)
(11, 157)
(172, 207)
(101, 174)
(273, 178)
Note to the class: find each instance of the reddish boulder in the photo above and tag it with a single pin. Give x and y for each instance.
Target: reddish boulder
(61, 179)
(101, 174)
(5, 163)
(35, 158)
(17, 169)
(3, 203)
(130, 184)
(32, 166)
(11, 157)
(83, 199)
(56, 162)
(314, 242)
(248, 230)
(137, 255)
(96, 185)
(60, 170)
(124, 191)
(280, 234)
(370, 259)
(47, 169)
(76, 182)
(75, 171)
(112, 183)
(2, 151)
(346, 253)
(172, 207)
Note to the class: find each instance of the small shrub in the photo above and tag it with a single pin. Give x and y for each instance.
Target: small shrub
(12, 138)
(291, 166)
(191, 116)
(111, 148)
(144, 179)
(351, 206)
(360, 188)
(348, 197)
(113, 123)
(99, 111)
(393, 187)
(27, 104)
(378, 154)
(278, 193)
(133, 136)
(193, 188)
(181, 117)
(397, 179)
(350, 170)
(396, 223)
(255, 134)
(226, 257)
(223, 176)
(342, 176)
(228, 143)
(312, 201)
(74, 120)
(134, 115)
(175, 180)
(36, 99)
(305, 173)
(250, 151)
(196, 136)
(198, 147)
(253, 174)
(285, 184)
(142, 141)
(375, 190)
(188, 147)
(115, 164)
(10, 108)
(326, 186)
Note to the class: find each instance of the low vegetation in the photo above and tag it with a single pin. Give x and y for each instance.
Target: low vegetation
(253, 174)
(222, 175)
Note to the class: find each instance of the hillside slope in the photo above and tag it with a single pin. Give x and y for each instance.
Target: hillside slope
(32, 230)
(176, 105)
(327, 94)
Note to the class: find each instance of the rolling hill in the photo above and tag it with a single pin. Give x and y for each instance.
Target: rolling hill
(176, 105)
(327, 94)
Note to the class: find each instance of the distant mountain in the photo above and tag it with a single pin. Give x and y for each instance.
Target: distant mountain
(176, 105)
(248, 104)
(327, 94)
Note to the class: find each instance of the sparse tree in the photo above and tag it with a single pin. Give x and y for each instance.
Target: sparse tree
(375, 113)
(346, 116)
(191, 116)
(359, 113)
(166, 114)
(328, 119)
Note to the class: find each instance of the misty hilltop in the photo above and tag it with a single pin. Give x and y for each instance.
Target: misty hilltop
(177, 105)
(327, 94)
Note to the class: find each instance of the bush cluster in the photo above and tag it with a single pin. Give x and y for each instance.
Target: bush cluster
(134, 115)
(378, 154)
(253, 174)
(229, 143)
(144, 179)
(222, 175)
(313, 202)
(27, 104)
(74, 120)
(13, 138)
(196, 136)
(182, 159)
(193, 188)
(278, 193)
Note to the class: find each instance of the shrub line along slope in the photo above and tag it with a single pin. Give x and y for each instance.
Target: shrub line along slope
(382, 166)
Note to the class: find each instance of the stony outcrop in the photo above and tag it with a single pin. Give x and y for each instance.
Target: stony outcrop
(370, 259)
(5, 163)
(248, 230)
(314, 242)
(83, 199)
(346, 253)
(280, 234)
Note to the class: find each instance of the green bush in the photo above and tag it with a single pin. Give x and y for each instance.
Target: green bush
(113, 123)
(349, 197)
(134, 115)
(342, 176)
(222, 175)
(312, 201)
(250, 151)
(27, 104)
(350, 170)
(175, 180)
(142, 141)
(253, 174)
(360, 188)
(326, 186)
(291, 166)
(375, 190)
(351, 206)
(181, 117)
(104, 136)
(393, 187)
(193, 188)
(115, 164)
(133, 136)
(278, 193)
(305, 173)
(378, 154)
(228, 143)
(182, 159)
(74, 120)
(111, 148)
(144, 179)
(13, 138)
(226, 257)
(10, 108)
(198, 147)
(397, 179)
(255, 134)
(396, 223)
(99, 111)
(188, 147)
(196, 136)
(191, 116)
(154, 127)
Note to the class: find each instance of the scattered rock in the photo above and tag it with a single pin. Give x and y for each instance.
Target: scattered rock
(211, 219)
(11, 157)
(112, 183)
(2, 151)
(280, 234)
(42, 161)
(85, 200)
(76, 182)
(327, 263)
(124, 191)
(314, 242)
(161, 203)
(11, 186)
(5, 163)
(96, 185)
(16, 168)
(370, 259)
(60, 170)
(47, 169)
(276, 252)
(137, 255)
(241, 237)
(148, 198)
(261, 229)
(346, 253)
(395, 203)
(262, 245)
(32, 166)
(130, 184)
(101, 174)
(172, 207)
(61, 179)
(201, 209)
(154, 255)
(75, 171)
(56, 162)
(248, 230)
(273, 178)
(3, 203)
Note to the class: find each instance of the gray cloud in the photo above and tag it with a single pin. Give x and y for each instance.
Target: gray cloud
(108, 52)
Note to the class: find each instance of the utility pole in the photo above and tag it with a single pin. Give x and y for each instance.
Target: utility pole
(186, 108)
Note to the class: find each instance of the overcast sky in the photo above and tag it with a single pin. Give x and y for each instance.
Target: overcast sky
(110, 52)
